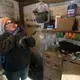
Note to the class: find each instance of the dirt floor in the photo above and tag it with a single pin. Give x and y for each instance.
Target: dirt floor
(56, 67)
(59, 67)
(70, 71)
(52, 66)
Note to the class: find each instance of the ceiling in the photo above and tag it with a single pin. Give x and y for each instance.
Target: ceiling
(24, 0)
(20, 0)
(28, 2)
(42, 0)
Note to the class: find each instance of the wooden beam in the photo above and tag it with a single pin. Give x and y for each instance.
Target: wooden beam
(21, 13)
(29, 2)
(54, 1)
(17, 0)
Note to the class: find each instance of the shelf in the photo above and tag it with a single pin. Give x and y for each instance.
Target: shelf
(54, 30)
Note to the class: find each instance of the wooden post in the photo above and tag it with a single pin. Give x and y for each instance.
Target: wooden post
(21, 13)
(21, 5)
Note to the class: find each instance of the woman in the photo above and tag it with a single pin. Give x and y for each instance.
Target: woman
(15, 46)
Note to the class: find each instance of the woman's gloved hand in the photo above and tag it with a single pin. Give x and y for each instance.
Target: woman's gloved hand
(18, 37)
(30, 41)
(16, 31)
(27, 41)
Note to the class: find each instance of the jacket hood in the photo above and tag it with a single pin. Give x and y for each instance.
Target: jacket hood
(1, 27)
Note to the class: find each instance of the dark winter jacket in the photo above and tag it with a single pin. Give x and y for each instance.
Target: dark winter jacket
(16, 57)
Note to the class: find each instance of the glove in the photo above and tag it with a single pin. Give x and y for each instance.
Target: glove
(27, 42)
(30, 41)
(22, 43)
(19, 37)
(17, 30)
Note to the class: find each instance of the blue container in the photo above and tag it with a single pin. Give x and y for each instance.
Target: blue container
(72, 10)
(50, 27)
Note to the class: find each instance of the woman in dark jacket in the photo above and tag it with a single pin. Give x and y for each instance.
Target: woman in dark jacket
(15, 46)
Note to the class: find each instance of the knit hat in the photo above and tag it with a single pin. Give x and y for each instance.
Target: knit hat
(4, 20)
(2, 24)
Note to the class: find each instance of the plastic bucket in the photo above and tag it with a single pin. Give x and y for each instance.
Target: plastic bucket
(72, 10)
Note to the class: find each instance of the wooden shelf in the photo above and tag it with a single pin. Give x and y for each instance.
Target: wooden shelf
(52, 1)
(54, 30)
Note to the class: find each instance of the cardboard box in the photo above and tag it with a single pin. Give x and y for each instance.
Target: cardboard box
(64, 24)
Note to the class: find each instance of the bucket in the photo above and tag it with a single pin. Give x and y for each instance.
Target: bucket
(41, 17)
(72, 10)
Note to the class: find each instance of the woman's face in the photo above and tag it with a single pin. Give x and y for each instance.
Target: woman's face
(10, 25)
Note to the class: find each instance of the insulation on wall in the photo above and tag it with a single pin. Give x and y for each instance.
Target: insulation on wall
(61, 8)
(29, 17)
(31, 24)
(9, 8)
